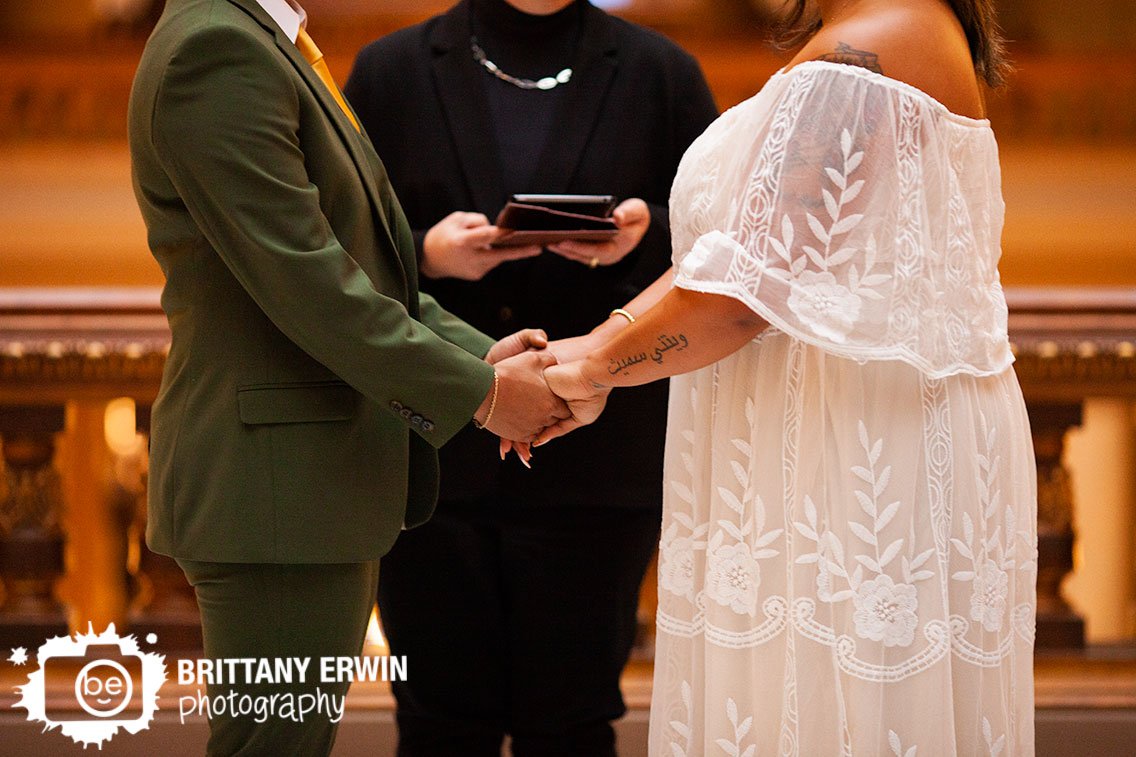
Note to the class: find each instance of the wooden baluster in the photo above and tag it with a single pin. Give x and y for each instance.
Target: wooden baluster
(1058, 626)
(644, 647)
(165, 603)
(31, 541)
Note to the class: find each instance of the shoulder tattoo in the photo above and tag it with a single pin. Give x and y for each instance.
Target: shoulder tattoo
(850, 56)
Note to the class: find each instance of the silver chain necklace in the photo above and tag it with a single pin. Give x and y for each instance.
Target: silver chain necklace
(546, 83)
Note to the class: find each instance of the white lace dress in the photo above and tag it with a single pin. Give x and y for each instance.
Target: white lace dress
(848, 556)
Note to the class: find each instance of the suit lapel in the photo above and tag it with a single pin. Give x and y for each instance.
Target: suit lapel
(461, 93)
(352, 140)
(579, 109)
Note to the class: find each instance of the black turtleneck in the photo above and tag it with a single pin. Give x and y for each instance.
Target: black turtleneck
(527, 47)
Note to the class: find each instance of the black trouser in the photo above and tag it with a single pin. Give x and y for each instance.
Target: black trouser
(280, 611)
(514, 619)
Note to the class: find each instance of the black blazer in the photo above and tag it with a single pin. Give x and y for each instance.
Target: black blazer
(635, 103)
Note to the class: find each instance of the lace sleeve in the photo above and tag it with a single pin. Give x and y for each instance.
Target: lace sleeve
(844, 222)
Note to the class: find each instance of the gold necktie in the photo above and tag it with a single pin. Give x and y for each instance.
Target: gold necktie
(312, 54)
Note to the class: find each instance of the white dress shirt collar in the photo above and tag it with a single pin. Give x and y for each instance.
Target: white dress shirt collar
(288, 15)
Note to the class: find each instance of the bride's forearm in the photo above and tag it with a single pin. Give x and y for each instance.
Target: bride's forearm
(643, 302)
(681, 332)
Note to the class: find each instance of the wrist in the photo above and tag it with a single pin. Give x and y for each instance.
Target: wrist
(430, 254)
(609, 328)
(592, 375)
(484, 413)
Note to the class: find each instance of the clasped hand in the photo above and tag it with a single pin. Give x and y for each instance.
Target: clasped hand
(536, 399)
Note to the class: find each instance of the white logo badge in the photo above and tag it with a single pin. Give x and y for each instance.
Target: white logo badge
(110, 684)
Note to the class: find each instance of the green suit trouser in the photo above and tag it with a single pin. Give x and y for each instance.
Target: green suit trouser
(272, 611)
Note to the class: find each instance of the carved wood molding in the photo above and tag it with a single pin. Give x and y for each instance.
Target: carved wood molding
(61, 343)
(1069, 343)
(1074, 343)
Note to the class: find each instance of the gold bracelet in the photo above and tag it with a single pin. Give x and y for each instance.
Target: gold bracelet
(620, 311)
(492, 402)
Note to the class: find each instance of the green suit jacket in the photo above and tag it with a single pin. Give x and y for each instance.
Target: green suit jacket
(309, 382)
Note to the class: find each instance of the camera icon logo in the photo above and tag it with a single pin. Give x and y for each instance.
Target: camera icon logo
(100, 683)
(104, 686)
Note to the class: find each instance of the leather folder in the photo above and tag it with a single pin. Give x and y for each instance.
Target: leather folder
(548, 219)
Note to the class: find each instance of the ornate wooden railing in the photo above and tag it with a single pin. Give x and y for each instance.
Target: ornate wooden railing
(65, 356)
(1070, 345)
(72, 505)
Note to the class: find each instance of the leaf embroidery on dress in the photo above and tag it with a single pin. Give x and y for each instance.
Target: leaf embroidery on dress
(734, 747)
(994, 746)
(677, 551)
(682, 728)
(990, 558)
(886, 609)
(733, 573)
(828, 305)
(897, 746)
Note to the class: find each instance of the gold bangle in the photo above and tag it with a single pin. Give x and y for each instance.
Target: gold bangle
(620, 311)
(492, 402)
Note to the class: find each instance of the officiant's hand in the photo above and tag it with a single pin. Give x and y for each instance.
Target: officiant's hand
(458, 247)
(631, 218)
(585, 399)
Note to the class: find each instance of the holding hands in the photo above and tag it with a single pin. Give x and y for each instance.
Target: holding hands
(676, 331)
(585, 399)
(525, 408)
(520, 404)
(534, 399)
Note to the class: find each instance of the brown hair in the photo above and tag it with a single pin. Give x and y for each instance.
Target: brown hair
(978, 19)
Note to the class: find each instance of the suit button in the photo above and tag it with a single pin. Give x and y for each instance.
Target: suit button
(416, 420)
(506, 314)
(396, 406)
(405, 413)
(427, 425)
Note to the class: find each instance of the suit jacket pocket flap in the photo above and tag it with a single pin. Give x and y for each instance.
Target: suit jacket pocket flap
(296, 403)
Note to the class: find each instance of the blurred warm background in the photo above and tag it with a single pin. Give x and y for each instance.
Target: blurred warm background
(1067, 124)
(79, 328)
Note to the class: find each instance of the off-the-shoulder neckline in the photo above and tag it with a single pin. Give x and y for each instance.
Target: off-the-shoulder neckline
(888, 81)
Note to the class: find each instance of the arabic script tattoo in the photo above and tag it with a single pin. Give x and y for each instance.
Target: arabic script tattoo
(850, 56)
(658, 354)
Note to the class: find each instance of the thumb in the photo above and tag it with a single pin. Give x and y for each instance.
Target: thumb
(560, 428)
(535, 339)
(545, 359)
(478, 236)
(629, 211)
(473, 220)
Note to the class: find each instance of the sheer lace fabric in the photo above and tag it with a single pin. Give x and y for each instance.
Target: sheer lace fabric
(848, 556)
(854, 213)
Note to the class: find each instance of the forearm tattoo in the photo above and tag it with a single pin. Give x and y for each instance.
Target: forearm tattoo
(850, 56)
(657, 354)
